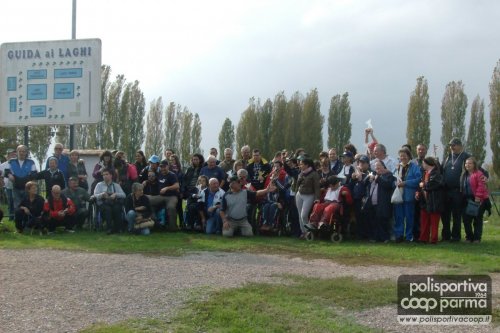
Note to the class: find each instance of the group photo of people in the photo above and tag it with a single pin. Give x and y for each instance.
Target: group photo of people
(358, 195)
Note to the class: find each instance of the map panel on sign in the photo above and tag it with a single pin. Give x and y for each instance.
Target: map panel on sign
(38, 111)
(37, 74)
(67, 73)
(37, 91)
(11, 83)
(12, 104)
(64, 90)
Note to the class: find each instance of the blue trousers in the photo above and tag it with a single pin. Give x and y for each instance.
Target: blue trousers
(404, 214)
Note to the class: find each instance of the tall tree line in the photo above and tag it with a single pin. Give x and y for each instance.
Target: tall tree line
(278, 124)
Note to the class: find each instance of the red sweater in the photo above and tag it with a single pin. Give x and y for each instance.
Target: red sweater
(58, 206)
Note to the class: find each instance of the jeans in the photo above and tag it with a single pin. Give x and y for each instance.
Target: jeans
(10, 203)
(111, 212)
(404, 214)
(130, 217)
(214, 222)
(17, 197)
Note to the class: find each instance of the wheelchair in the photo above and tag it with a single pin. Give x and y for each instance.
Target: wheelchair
(334, 229)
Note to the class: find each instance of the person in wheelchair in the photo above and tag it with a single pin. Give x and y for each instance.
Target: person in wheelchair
(110, 201)
(80, 198)
(275, 199)
(29, 212)
(324, 212)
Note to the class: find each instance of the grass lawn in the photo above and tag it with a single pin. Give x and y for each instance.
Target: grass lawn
(298, 306)
(454, 257)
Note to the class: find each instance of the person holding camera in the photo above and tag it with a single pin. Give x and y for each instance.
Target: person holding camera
(110, 198)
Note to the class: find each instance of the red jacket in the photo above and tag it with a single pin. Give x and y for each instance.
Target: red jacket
(58, 206)
(478, 186)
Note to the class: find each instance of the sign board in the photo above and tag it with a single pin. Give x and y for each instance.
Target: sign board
(50, 83)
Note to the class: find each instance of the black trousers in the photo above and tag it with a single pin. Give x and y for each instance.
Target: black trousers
(453, 208)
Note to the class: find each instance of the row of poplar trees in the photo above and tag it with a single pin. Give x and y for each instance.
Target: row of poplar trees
(296, 122)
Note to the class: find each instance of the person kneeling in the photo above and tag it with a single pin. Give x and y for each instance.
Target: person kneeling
(233, 212)
(59, 211)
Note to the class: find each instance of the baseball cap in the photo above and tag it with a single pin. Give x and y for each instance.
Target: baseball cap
(154, 159)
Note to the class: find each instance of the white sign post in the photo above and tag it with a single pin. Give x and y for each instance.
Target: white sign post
(50, 83)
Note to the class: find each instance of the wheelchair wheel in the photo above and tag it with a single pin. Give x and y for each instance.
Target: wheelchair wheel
(336, 237)
(310, 236)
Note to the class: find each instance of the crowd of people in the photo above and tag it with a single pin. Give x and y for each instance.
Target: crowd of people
(367, 195)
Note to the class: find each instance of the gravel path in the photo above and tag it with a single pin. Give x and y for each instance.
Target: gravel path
(61, 291)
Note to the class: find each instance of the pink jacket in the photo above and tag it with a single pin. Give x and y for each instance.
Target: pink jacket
(477, 185)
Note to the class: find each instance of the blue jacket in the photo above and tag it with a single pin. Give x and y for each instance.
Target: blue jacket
(412, 179)
(22, 174)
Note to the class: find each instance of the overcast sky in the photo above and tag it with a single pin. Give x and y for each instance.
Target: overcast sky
(212, 56)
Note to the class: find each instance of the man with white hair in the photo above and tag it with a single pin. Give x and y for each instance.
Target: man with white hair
(380, 153)
(212, 170)
(20, 171)
(211, 198)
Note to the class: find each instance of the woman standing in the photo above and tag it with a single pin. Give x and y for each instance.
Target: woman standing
(473, 188)
(76, 168)
(140, 161)
(408, 178)
(105, 162)
(430, 197)
(308, 192)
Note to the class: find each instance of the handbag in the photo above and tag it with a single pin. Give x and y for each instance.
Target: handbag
(472, 208)
(397, 196)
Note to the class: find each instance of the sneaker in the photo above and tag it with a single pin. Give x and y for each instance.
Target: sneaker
(71, 231)
(50, 233)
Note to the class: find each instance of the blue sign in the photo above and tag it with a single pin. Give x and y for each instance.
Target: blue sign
(38, 111)
(37, 74)
(64, 90)
(11, 83)
(67, 73)
(37, 91)
(12, 104)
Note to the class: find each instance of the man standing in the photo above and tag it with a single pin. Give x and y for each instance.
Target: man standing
(234, 208)
(421, 154)
(60, 211)
(169, 190)
(380, 153)
(228, 162)
(212, 170)
(453, 204)
(20, 171)
(335, 163)
(80, 197)
(110, 200)
(246, 155)
(52, 176)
